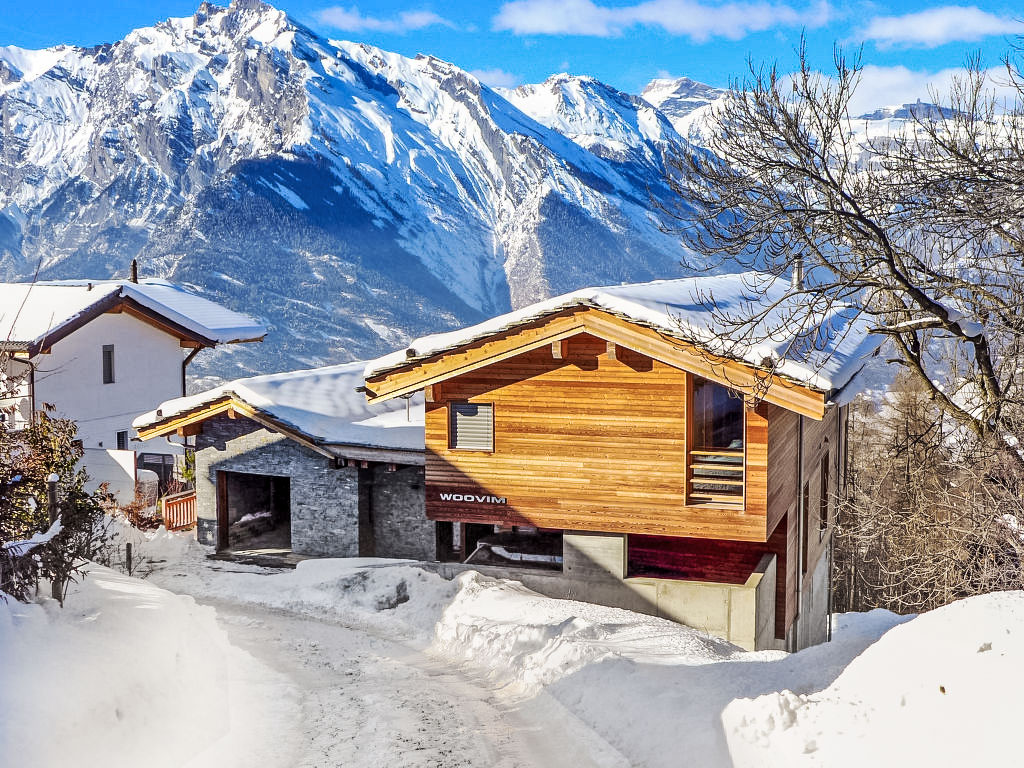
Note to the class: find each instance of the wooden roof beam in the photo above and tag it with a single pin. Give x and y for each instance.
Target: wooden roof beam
(615, 331)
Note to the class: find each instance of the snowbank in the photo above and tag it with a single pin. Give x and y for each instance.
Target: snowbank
(941, 690)
(127, 660)
(127, 674)
(653, 689)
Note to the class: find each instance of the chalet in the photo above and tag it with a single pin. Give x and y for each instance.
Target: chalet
(102, 352)
(662, 465)
(299, 462)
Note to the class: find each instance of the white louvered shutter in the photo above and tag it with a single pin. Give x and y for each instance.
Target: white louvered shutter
(471, 426)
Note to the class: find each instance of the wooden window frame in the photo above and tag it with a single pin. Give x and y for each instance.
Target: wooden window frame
(689, 415)
(451, 431)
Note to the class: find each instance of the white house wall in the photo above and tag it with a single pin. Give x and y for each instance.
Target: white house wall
(147, 371)
(14, 384)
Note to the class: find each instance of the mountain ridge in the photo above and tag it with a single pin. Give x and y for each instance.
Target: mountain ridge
(351, 197)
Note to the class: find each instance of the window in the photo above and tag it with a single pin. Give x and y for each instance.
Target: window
(108, 363)
(716, 452)
(471, 426)
(717, 416)
(805, 500)
(122, 440)
(823, 501)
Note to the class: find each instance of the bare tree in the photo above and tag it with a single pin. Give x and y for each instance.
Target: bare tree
(919, 233)
(924, 521)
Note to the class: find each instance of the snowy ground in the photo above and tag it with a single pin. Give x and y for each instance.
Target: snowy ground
(380, 663)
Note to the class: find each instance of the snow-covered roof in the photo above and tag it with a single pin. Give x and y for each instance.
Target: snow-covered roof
(679, 308)
(322, 404)
(31, 313)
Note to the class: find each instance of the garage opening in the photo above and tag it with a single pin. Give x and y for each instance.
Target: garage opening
(509, 547)
(254, 511)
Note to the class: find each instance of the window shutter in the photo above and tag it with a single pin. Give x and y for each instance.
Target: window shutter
(108, 363)
(471, 426)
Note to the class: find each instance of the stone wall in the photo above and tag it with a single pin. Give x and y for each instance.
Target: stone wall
(342, 512)
(398, 514)
(324, 500)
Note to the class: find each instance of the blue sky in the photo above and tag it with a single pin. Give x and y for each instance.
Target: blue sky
(622, 42)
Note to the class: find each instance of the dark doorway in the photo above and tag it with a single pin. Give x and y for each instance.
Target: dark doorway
(253, 511)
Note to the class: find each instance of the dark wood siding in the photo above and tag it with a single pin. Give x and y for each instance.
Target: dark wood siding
(728, 562)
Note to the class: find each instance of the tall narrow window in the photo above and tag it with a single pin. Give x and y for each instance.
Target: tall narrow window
(823, 501)
(108, 363)
(805, 500)
(471, 426)
(716, 452)
(122, 440)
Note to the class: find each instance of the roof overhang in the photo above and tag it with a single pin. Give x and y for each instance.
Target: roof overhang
(116, 303)
(190, 423)
(419, 373)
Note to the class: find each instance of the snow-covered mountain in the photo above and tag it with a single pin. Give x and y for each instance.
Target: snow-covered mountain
(679, 99)
(350, 196)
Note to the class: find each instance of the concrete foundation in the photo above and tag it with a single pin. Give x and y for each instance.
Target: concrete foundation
(594, 567)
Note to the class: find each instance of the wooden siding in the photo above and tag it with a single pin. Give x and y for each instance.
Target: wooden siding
(785, 488)
(587, 442)
(725, 562)
(550, 330)
(819, 437)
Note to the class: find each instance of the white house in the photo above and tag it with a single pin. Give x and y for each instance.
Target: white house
(102, 353)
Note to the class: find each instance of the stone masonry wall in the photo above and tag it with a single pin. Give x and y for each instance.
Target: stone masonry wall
(398, 513)
(324, 500)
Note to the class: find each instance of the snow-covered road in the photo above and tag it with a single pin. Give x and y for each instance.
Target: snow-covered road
(383, 663)
(358, 699)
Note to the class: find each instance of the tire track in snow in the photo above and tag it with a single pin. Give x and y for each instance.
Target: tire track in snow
(369, 701)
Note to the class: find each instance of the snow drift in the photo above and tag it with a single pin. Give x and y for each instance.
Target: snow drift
(122, 675)
(941, 690)
(127, 660)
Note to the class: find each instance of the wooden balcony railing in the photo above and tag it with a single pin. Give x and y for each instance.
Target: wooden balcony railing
(180, 511)
(716, 477)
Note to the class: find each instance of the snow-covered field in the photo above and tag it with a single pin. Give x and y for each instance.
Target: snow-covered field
(372, 662)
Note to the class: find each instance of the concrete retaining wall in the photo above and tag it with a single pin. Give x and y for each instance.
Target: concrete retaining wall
(594, 567)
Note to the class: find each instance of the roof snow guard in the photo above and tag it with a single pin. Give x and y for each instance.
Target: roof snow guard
(34, 316)
(821, 352)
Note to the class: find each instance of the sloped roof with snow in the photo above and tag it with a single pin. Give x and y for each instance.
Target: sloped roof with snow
(825, 355)
(33, 313)
(321, 404)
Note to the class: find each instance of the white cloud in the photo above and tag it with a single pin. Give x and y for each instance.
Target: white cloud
(894, 86)
(496, 78)
(938, 26)
(351, 20)
(695, 19)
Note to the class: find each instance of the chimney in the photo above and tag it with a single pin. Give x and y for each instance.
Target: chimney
(135, 271)
(798, 273)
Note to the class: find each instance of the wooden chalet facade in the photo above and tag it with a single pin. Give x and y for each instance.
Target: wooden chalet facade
(584, 417)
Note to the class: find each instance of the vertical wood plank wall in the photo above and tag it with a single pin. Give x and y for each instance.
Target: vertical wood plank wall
(784, 494)
(586, 442)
